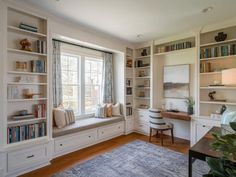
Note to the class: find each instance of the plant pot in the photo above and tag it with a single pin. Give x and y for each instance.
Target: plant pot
(190, 110)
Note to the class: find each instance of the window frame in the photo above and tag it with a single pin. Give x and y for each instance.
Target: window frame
(82, 53)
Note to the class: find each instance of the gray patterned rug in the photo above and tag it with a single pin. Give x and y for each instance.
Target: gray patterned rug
(137, 159)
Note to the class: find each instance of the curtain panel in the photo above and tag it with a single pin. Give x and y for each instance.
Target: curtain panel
(56, 74)
(107, 82)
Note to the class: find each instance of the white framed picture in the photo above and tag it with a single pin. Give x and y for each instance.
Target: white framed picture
(176, 81)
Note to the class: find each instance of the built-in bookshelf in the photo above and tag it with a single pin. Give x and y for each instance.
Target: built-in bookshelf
(174, 46)
(26, 77)
(142, 73)
(214, 57)
(129, 85)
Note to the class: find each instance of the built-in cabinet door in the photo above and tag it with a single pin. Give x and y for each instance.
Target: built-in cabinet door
(201, 130)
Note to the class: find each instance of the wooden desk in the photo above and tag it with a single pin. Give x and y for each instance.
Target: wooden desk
(202, 149)
(176, 115)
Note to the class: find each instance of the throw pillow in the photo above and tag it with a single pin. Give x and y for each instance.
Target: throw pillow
(109, 110)
(116, 109)
(228, 116)
(100, 111)
(69, 116)
(59, 117)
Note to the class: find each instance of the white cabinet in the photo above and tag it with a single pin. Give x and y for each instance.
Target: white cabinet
(129, 125)
(26, 158)
(141, 124)
(75, 141)
(110, 131)
(200, 126)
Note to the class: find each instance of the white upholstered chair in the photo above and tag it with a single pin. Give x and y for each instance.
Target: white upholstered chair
(157, 123)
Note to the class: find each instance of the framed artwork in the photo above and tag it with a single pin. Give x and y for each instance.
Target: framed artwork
(176, 81)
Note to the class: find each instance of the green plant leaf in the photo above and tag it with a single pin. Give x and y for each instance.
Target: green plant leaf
(233, 125)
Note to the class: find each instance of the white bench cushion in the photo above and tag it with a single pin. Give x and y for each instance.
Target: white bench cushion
(85, 124)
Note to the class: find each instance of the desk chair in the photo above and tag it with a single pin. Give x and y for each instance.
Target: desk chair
(157, 123)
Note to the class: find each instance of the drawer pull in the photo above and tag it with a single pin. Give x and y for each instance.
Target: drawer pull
(102, 132)
(89, 136)
(61, 145)
(30, 156)
(204, 126)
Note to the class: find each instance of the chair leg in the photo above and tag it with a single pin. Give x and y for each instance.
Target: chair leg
(161, 137)
(157, 134)
(172, 136)
(150, 135)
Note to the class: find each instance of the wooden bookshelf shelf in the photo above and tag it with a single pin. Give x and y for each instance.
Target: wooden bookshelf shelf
(145, 77)
(25, 100)
(26, 121)
(26, 73)
(25, 52)
(144, 67)
(22, 83)
(141, 57)
(174, 51)
(218, 88)
(143, 98)
(22, 31)
(211, 73)
(218, 103)
(218, 43)
(218, 58)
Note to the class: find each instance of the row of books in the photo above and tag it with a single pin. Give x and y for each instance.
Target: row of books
(40, 110)
(26, 132)
(38, 66)
(172, 47)
(129, 111)
(28, 27)
(219, 51)
(41, 46)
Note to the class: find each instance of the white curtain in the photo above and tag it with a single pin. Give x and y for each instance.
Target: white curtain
(107, 81)
(56, 73)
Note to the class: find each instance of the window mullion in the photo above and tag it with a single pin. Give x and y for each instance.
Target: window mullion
(82, 85)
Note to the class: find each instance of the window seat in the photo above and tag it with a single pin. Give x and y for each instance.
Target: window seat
(85, 124)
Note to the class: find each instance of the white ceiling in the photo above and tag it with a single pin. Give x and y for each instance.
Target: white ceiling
(152, 18)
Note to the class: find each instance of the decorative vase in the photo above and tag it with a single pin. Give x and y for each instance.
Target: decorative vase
(190, 110)
(220, 37)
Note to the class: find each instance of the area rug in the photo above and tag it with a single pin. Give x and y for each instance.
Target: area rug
(137, 159)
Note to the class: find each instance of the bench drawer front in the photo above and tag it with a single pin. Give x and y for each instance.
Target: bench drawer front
(26, 158)
(77, 140)
(109, 131)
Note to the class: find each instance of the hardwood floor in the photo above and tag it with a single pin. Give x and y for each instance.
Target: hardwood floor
(66, 161)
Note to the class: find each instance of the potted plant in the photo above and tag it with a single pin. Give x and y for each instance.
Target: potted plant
(226, 144)
(190, 103)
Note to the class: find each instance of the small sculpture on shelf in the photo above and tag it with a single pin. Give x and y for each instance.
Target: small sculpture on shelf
(25, 45)
(144, 52)
(220, 37)
(212, 97)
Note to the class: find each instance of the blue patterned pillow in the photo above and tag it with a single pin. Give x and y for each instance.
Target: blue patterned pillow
(228, 116)
(100, 111)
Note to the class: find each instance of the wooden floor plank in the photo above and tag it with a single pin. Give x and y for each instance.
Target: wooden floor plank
(66, 161)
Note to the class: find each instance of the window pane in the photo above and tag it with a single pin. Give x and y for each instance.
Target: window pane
(70, 81)
(93, 81)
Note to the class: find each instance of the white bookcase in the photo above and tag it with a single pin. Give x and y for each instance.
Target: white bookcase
(142, 75)
(129, 89)
(20, 80)
(215, 57)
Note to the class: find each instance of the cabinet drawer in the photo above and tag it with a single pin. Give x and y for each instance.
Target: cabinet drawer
(26, 158)
(109, 131)
(76, 140)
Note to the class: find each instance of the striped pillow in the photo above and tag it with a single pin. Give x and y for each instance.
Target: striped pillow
(100, 111)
